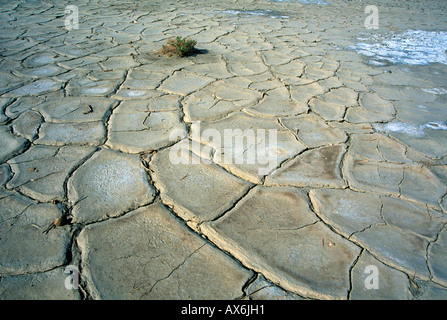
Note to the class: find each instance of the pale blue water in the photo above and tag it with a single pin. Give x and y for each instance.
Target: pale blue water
(303, 1)
(414, 47)
(268, 13)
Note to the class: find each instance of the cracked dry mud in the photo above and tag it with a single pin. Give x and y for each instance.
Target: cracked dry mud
(85, 122)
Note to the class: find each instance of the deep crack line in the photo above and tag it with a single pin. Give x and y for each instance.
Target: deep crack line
(427, 249)
(351, 268)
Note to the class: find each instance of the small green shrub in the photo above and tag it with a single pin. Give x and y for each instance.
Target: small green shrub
(180, 46)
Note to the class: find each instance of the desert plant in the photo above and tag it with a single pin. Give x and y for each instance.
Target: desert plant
(179, 46)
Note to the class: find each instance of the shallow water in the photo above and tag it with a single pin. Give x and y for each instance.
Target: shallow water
(410, 129)
(414, 47)
(303, 1)
(268, 13)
